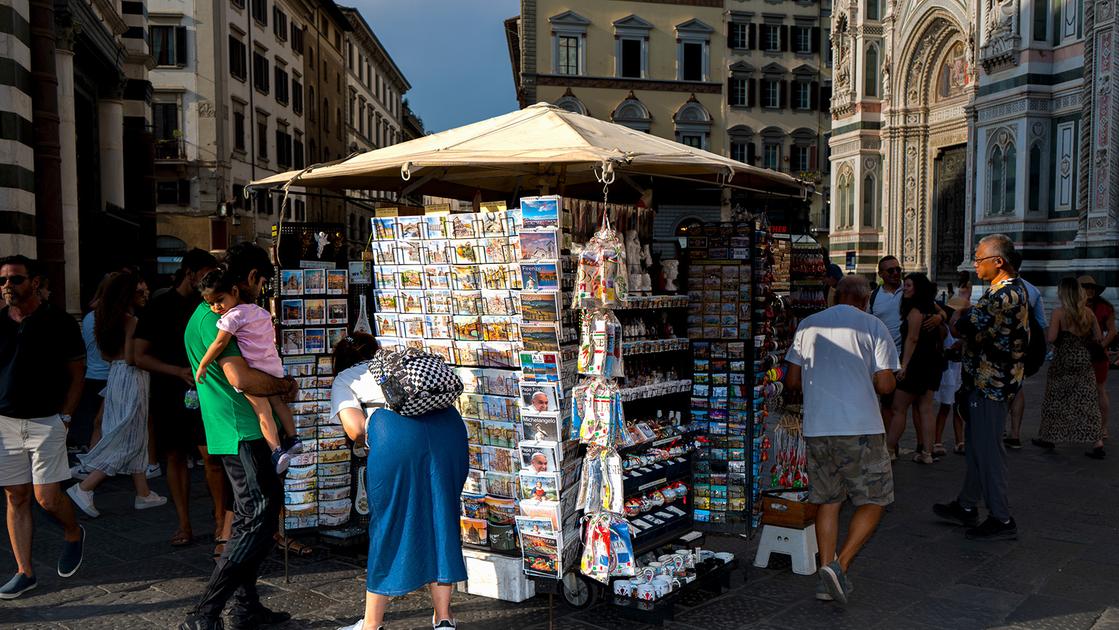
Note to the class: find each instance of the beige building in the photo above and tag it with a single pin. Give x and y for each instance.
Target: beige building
(742, 78)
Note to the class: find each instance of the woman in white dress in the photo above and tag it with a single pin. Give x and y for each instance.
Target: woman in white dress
(123, 447)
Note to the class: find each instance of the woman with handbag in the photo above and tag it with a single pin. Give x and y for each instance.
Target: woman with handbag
(399, 404)
(922, 366)
(1070, 411)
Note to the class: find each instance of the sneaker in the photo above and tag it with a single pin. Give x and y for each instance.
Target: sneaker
(957, 513)
(153, 471)
(79, 472)
(445, 624)
(202, 623)
(1012, 443)
(71, 557)
(150, 501)
(280, 461)
(358, 625)
(261, 617)
(18, 585)
(292, 445)
(835, 581)
(993, 529)
(822, 593)
(83, 500)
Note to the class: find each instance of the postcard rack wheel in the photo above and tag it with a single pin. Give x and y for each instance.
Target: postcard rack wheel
(579, 591)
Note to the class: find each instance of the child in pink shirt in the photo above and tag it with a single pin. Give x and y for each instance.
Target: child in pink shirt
(256, 338)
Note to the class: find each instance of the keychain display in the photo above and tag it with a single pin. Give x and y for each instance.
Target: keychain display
(607, 548)
(601, 278)
(597, 412)
(600, 344)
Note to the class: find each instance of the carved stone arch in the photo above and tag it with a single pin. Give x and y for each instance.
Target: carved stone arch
(571, 103)
(632, 113)
(920, 59)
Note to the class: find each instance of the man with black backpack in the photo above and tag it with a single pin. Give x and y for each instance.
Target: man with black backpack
(1035, 355)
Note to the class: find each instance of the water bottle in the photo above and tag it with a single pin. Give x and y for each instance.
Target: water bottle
(190, 399)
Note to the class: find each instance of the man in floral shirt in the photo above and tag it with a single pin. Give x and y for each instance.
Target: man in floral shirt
(996, 334)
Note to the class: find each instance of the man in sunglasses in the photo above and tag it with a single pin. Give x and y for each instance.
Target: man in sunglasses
(42, 370)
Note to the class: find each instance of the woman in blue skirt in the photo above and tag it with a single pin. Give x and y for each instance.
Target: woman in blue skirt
(414, 475)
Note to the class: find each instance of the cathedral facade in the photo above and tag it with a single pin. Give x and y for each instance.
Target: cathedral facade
(956, 119)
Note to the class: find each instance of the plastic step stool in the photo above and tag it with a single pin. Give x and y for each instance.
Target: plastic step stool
(798, 544)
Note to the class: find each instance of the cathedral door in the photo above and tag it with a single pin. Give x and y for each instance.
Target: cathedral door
(948, 196)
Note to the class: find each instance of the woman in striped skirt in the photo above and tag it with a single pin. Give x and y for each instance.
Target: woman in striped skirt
(123, 448)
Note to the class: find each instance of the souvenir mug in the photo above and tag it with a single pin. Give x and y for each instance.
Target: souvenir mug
(704, 554)
(689, 558)
(724, 556)
(646, 592)
(662, 586)
(624, 588)
(658, 568)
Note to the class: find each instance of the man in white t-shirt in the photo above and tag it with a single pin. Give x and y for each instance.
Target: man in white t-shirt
(844, 358)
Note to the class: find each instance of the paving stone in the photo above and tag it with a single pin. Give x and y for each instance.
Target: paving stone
(946, 613)
(1109, 620)
(1051, 613)
(857, 615)
(730, 611)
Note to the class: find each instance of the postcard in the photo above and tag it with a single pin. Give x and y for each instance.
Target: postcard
(497, 433)
(410, 277)
(539, 457)
(470, 405)
(337, 282)
(337, 311)
(466, 251)
(412, 326)
(384, 277)
(496, 249)
(473, 430)
(467, 328)
(293, 341)
(501, 484)
(499, 382)
(498, 354)
(540, 212)
(314, 340)
(436, 277)
(386, 301)
(436, 226)
(465, 278)
(474, 531)
(468, 353)
(499, 408)
(361, 271)
(471, 378)
(411, 301)
(496, 328)
(411, 252)
(497, 303)
(314, 311)
(314, 281)
(475, 482)
(536, 486)
(474, 455)
(539, 337)
(384, 252)
(540, 306)
(442, 348)
(540, 366)
(515, 282)
(539, 245)
(438, 302)
(384, 228)
(291, 282)
(545, 510)
(463, 225)
(438, 252)
(500, 459)
(493, 222)
(530, 526)
(495, 277)
(437, 326)
(540, 397)
(466, 302)
(410, 227)
(542, 427)
(539, 276)
(291, 312)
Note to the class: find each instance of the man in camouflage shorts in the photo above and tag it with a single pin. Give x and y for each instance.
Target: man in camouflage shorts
(843, 359)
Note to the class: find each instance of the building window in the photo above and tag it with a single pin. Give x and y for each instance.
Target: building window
(693, 67)
(297, 151)
(802, 39)
(260, 72)
(691, 140)
(631, 62)
(738, 151)
(349, 55)
(771, 37)
(283, 148)
(238, 127)
(771, 93)
(240, 4)
(325, 114)
(260, 11)
(870, 72)
(738, 92)
(1035, 178)
(296, 38)
(176, 191)
(873, 9)
(165, 127)
(803, 91)
(168, 44)
(771, 159)
(739, 35)
(1041, 21)
(281, 86)
(352, 109)
(869, 207)
(262, 138)
(1001, 177)
(338, 119)
(1011, 188)
(1065, 168)
(799, 158)
(296, 96)
(279, 24)
(237, 68)
(568, 54)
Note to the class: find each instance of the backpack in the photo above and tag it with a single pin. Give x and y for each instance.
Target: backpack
(414, 382)
(1037, 348)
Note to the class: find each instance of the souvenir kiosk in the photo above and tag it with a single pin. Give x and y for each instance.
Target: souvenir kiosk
(589, 462)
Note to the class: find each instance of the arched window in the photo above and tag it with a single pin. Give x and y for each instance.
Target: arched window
(1035, 178)
(633, 114)
(851, 200)
(1041, 21)
(869, 206)
(998, 181)
(1009, 173)
(872, 9)
(845, 198)
(870, 72)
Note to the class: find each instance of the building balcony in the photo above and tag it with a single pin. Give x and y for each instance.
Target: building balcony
(171, 149)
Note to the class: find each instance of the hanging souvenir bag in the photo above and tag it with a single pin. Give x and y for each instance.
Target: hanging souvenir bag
(415, 382)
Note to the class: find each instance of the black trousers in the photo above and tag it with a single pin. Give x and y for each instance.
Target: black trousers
(258, 496)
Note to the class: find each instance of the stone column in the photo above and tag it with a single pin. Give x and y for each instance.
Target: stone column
(67, 133)
(110, 118)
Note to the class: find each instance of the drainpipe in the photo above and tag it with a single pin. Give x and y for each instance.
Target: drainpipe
(49, 238)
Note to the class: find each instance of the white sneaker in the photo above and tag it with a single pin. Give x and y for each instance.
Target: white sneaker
(357, 626)
(444, 624)
(79, 472)
(83, 500)
(150, 501)
(153, 471)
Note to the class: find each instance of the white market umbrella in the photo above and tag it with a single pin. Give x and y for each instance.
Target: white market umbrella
(541, 145)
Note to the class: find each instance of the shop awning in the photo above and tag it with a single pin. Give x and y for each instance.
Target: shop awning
(539, 146)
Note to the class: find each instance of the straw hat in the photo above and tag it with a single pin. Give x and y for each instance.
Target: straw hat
(1088, 282)
(956, 302)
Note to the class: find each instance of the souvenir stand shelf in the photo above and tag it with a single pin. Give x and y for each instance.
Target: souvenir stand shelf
(321, 298)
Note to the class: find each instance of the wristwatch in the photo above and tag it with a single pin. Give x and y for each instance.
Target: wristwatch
(64, 417)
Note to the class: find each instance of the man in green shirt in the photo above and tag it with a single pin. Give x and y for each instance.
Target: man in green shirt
(233, 434)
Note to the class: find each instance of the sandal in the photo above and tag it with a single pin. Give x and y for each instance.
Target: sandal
(960, 450)
(938, 450)
(219, 547)
(181, 538)
(923, 457)
(294, 546)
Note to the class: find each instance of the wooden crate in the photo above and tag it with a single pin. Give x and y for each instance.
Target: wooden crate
(780, 508)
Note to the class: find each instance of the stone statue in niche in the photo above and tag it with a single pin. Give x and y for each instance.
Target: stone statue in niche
(886, 77)
(842, 53)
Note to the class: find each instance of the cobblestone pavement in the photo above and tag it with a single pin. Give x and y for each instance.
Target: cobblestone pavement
(915, 573)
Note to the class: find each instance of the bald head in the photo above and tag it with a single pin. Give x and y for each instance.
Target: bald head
(853, 291)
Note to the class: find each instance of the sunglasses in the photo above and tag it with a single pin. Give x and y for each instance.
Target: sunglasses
(14, 280)
(892, 270)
